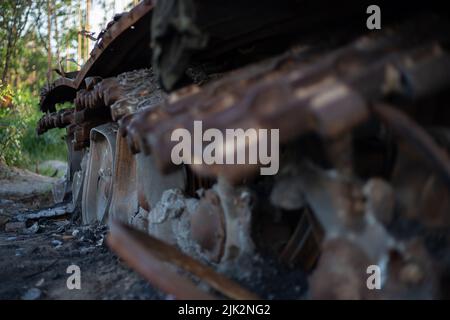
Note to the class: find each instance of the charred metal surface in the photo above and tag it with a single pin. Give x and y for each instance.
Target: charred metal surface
(303, 247)
(329, 97)
(418, 138)
(151, 257)
(71, 117)
(103, 99)
(208, 226)
(195, 35)
(424, 195)
(182, 28)
(356, 118)
(98, 184)
(125, 93)
(60, 119)
(349, 247)
(124, 202)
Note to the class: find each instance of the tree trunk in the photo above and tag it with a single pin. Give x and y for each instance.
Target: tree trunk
(9, 46)
(67, 40)
(58, 50)
(87, 28)
(49, 40)
(80, 38)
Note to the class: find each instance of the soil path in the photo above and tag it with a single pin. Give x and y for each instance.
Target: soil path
(35, 256)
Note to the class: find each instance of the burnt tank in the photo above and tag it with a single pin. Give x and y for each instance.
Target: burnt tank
(363, 124)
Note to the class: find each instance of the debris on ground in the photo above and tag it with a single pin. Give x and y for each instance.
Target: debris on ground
(40, 243)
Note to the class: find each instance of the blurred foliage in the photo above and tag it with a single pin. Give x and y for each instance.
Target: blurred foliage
(19, 144)
(36, 37)
(24, 52)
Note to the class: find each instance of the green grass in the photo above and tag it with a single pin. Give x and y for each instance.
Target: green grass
(20, 146)
(50, 172)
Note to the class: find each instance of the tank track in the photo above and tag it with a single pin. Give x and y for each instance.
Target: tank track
(357, 115)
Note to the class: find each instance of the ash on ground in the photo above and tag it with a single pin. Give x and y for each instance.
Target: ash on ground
(37, 252)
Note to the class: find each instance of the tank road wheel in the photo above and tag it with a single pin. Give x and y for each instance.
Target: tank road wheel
(152, 183)
(138, 183)
(124, 202)
(98, 186)
(64, 187)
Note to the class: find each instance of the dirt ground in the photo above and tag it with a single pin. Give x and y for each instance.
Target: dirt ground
(35, 258)
(36, 252)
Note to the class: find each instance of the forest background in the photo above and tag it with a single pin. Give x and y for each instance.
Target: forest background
(40, 39)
